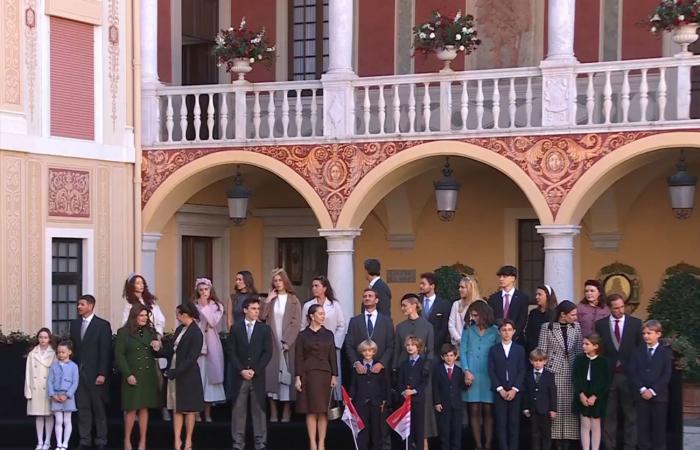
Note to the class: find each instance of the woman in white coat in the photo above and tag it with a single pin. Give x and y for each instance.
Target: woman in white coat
(39, 361)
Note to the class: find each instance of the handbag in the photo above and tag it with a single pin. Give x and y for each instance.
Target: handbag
(334, 412)
(285, 377)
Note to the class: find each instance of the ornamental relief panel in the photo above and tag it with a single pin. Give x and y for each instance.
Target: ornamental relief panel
(69, 193)
(10, 51)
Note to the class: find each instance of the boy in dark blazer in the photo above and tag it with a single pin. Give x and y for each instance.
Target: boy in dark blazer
(249, 350)
(448, 384)
(540, 399)
(507, 373)
(650, 373)
(509, 302)
(369, 392)
(413, 378)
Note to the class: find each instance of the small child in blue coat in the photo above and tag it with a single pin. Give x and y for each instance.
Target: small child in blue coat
(62, 384)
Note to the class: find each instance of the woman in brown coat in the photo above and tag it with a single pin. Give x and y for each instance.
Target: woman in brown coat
(316, 374)
(282, 312)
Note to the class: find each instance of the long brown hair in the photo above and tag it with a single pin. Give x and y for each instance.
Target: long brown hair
(485, 312)
(132, 324)
(248, 281)
(285, 279)
(129, 292)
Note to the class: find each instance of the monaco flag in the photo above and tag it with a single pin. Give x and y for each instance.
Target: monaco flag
(350, 415)
(400, 420)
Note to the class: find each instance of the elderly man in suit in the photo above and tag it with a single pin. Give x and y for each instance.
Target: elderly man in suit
(509, 302)
(621, 335)
(92, 352)
(249, 350)
(435, 309)
(372, 273)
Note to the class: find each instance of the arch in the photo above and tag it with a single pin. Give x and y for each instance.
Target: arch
(396, 170)
(193, 176)
(615, 165)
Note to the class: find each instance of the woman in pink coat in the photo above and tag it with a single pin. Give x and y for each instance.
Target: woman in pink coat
(592, 307)
(211, 362)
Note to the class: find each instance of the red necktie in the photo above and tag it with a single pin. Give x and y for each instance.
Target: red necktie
(506, 306)
(449, 373)
(618, 335)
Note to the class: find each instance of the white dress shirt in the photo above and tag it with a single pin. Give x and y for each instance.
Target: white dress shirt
(510, 297)
(374, 280)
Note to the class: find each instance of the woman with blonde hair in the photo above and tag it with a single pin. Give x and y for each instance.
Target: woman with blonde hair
(282, 312)
(468, 293)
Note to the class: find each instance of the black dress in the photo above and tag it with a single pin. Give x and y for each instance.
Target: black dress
(532, 330)
(315, 363)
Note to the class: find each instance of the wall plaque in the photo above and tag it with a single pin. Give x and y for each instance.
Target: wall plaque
(401, 275)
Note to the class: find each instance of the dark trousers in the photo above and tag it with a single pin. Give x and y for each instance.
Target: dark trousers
(90, 401)
(417, 424)
(651, 423)
(239, 417)
(541, 431)
(370, 438)
(507, 422)
(620, 395)
(449, 423)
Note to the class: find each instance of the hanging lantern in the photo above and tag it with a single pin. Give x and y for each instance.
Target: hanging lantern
(681, 189)
(238, 196)
(446, 192)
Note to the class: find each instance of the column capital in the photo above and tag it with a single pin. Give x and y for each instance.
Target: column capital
(149, 241)
(340, 240)
(559, 230)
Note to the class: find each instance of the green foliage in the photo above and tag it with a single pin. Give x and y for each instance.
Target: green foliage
(677, 306)
(448, 280)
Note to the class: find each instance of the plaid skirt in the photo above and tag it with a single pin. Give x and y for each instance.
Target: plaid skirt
(566, 425)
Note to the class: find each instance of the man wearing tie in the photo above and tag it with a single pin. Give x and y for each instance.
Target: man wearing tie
(249, 349)
(92, 352)
(372, 273)
(621, 335)
(509, 302)
(435, 309)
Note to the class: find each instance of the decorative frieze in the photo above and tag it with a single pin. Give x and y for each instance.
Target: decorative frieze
(69, 193)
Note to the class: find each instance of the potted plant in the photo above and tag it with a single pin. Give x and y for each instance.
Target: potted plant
(238, 48)
(679, 16)
(446, 36)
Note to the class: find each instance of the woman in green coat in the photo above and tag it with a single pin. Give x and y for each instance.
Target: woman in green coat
(134, 354)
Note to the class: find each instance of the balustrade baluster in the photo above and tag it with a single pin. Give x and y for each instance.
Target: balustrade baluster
(382, 109)
(183, 117)
(662, 94)
(314, 112)
(298, 109)
(169, 122)
(625, 102)
(479, 105)
(511, 103)
(223, 116)
(496, 104)
(412, 108)
(426, 107)
(397, 110)
(366, 105)
(464, 105)
(643, 96)
(210, 117)
(285, 114)
(256, 115)
(197, 118)
(528, 102)
(607, 98)
(271, 114)
(590, 98)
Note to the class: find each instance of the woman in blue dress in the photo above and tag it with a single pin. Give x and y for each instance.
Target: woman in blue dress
(479, 335)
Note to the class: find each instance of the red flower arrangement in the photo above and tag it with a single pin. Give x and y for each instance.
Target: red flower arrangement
(671, 14)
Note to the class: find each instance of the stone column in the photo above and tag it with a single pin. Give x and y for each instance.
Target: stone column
(149, 72)
(559, 258)
(149, 245)
(560, 30)
(341, 273)
(341, 32)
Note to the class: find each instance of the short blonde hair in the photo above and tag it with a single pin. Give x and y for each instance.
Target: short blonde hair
(415, 340)
(368, 344)
(653, 325)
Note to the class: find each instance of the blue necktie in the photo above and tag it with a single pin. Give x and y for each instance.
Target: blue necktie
(370, 327)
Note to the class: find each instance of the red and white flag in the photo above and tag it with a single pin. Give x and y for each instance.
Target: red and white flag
(350, 415)
(400, 420)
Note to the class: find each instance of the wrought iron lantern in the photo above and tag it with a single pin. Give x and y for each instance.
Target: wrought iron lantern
(681, 189)
(446, 192)
(238, 196)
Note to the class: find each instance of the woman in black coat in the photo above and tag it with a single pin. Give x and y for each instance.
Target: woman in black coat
(185, 393)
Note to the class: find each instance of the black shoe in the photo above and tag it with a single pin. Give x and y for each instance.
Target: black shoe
(83, 447)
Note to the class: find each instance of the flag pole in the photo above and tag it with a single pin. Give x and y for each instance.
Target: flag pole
(354, 439)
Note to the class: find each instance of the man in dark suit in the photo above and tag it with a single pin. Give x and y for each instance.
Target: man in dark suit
(92, 352)
(507, 373)
(250, 350)
(540, 398)
(509, 302)
(621, 335)
(372, 273)
(448, 384)
(435, 309)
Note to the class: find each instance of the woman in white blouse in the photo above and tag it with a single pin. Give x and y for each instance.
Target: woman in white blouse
(335, 320)
(468, 292)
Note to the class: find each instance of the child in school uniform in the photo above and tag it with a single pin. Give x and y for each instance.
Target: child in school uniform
(591, 378)
(649, 372)
(62, 384)
(448, 384)
(369, 393)
(413, 377)
(540, 398)
(36, 377)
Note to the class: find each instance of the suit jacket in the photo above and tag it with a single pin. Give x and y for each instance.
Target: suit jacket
(382, 335)
(384, 293)
(439, 317)
(631, 339)
(517, 311)
(415, 377)
(513, 366)
(652, 374)
(446, 392)
(540, 397)
(92, 353)
(370, 388)
(254, 355)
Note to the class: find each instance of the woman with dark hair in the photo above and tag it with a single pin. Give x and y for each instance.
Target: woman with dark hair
(244, 287)
(211, 362)
(136, 292)
(479, 335)
(561, 340)
(134, 357)
(316, 371)
(546, 300)
(592, 307)
(282, 312)
(185, 392)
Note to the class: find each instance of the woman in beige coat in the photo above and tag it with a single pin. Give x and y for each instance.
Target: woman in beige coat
(39, 361)
(282, 312)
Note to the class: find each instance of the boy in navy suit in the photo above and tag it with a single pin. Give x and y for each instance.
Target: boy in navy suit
(540, 400)
(369, 392)
(448, 383)
(649, 372)
(507, 373)
(413, 378)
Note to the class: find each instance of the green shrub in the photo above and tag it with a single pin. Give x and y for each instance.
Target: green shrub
(448, 280)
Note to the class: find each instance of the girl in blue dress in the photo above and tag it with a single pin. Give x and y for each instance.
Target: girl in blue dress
(479, 335)
(62, 384)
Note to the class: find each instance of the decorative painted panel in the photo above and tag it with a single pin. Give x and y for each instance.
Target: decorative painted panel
(69, 193)
(11, 72)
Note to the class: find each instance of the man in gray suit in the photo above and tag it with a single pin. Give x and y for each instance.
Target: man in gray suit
(372, 273)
